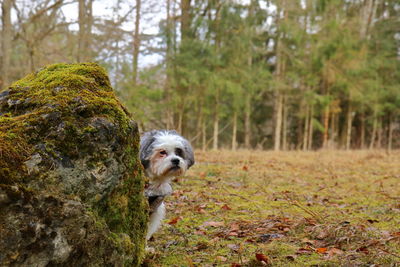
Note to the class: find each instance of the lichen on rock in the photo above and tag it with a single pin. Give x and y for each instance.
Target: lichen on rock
(71, 184)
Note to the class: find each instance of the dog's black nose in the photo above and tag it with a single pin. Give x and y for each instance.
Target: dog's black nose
(175, 161)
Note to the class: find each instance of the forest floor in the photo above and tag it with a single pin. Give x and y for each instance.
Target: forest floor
(254, 208)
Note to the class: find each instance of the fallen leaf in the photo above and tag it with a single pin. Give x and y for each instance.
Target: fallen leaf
(334, 251)
(190, 262)
(200, 209)
(396, 234)
(308, 241)
(235, 265)
(174, 220)
(234, 227)
(291, 257)
(200, 232)
(305, 250)
(245, 168)
(221, 258)
(214, 240)
(201, 246)
(321, 250)
(363, 250)
(262, 258)
(225, 207)
(213, 224)
(234, 247)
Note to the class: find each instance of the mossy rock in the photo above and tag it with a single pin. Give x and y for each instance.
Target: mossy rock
(71, 184)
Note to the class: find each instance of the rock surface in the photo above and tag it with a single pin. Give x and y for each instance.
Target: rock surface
(71, 184)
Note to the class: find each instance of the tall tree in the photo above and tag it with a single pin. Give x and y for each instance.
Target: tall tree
(85, 30)
(136, 42)
(6, 41)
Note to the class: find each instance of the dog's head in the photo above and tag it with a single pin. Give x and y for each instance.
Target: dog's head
(165, 154)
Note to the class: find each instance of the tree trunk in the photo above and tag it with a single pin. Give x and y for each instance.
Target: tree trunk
(379, 131)
(199, 123)
(181, 109)
(185, 20)
(306, 128)
(362, 134)
(374, 129)
(234, 131)
(6, 42)
(85, 29)
(82, 31)
(203, 136)
(247, 122)
(136, 43)
(278, 121)
(279, 69)
(349, 119)
(216, 128)
(367, 17)
(390, 134)
(310, 128)
(326, 127)
(284, 123)
(333, 136)
(167, 89)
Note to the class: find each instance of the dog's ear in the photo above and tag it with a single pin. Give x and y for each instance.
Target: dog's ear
(189, 155)
(146, 147)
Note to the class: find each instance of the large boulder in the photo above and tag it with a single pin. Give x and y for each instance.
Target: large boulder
(71, 184)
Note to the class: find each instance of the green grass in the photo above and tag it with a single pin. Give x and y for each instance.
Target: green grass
(327, 208)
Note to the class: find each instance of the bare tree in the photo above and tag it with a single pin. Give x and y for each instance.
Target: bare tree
(85, 30)
(136, 42)
(6, 41)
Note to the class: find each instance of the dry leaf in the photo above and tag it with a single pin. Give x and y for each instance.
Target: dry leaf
(221, 258)
(234, 247)
(234, 227)
(174, 220)
(200, 232)
(213, 224)
(321, 250)
(291, 257)
(190, 262)
(263, 258)
(225, 207)
(363, 250)
(334, 251)
(306, 250)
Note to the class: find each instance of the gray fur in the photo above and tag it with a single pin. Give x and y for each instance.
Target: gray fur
(146, 146)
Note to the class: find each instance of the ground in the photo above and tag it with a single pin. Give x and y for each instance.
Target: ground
(253, 208)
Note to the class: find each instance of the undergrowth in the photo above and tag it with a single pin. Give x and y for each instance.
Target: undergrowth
(326, 208)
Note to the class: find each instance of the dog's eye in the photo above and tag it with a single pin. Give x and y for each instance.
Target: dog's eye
(163, 152)
(179, 152)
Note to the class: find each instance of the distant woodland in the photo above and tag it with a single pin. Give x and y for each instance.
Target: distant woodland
(272, 74)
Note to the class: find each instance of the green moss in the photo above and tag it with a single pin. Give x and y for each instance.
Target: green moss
(68, 97)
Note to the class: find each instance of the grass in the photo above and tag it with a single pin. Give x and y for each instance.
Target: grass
(254, 208)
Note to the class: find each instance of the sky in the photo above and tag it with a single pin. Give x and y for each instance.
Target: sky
(152, 13)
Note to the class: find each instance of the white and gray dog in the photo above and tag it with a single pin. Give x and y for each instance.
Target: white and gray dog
(164, 155)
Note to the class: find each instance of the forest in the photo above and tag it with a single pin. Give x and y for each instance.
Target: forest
(255, 74)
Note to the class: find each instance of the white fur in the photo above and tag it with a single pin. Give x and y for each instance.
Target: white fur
(158, 149)
(169, 143)
(155, 220)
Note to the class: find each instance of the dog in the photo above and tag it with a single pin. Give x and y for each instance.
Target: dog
(164, 155)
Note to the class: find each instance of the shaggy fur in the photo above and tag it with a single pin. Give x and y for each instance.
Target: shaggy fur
(164, 155)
